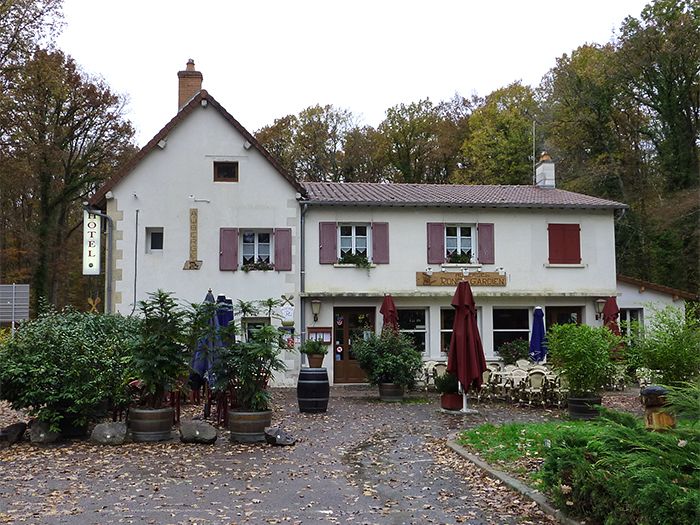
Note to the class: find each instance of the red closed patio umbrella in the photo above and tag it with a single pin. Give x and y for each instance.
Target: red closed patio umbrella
(390, 314)
(466, 359)
(610, 314)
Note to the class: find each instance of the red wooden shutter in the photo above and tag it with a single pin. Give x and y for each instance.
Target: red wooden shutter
(485, 241)
(283, 249)
(380, 242)
(436, 242)
(564, 244)
(327, 243)
(228, 249)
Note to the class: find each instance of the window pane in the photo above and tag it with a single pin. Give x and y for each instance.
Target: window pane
(361, 231)
(510, 318)
(156, 240)
(248, 238)
(346, 231)
(505, 337)
(412, 319)
(264, 238)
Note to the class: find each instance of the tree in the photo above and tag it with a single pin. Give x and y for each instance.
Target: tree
(659, 67)
(411, 135)
(499, 147)
(67, 133)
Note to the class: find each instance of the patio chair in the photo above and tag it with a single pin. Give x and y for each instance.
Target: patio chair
(535, 387)
(516, 383)
(525, 364)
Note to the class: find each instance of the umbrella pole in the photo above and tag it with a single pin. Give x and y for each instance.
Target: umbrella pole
(465, 410)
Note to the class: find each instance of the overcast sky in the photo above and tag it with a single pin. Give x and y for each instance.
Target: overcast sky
(264, 60)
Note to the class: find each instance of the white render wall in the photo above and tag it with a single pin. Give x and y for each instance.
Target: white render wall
(157, 192)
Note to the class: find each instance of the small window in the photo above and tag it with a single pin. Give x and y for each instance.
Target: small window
(412, 322)
(253, 324)
(226, 172)
(353, 240)
(154, 240)
(630, 321)
(510, 324)
(564, 243)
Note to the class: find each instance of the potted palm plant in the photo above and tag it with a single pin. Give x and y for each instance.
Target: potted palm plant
(583, 355)
(315, 350)
(243, 369)
(158, 364)
(391, 361)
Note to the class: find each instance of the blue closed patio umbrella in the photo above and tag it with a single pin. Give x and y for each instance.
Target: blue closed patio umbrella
(538, 343)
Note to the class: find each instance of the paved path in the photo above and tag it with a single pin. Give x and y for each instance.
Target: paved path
(362, 462)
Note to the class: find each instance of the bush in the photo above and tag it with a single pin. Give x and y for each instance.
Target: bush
(511, 351)
(584, 356)
(66, 364)
(388, 358)
(626, 475)
(669, 345)
(313, 347)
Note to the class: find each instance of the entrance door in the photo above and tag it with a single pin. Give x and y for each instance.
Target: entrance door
(349, 323)
(563, 315)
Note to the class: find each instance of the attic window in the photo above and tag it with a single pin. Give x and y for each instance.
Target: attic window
(226, 172)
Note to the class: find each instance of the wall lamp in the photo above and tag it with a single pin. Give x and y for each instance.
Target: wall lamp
(315, 309)
(599, 305)
(429, 271)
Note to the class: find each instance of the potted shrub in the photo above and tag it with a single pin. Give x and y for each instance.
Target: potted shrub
(390, 361)
(159, 362)
(63, 366)
(583, 355)
(447, 386)
(243, 370)
(315, 350)
(512, 351)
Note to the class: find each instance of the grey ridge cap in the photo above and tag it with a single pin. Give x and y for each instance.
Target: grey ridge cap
(445, 195)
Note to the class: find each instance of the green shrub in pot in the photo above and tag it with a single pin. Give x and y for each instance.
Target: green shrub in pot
(390, 357)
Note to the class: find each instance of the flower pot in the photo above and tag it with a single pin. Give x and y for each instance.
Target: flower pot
(248, 427)
(151, 425)
(582, 407)
(315, 360)
(391, 392)
(313, 390)
(451, 401)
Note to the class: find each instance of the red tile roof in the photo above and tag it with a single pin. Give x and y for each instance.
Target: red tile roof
(659, 288)
(368, 194)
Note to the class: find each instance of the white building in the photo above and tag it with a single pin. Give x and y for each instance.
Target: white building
(203, 199)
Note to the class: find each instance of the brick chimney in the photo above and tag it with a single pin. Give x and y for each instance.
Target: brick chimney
(544, 172)
(189, 84)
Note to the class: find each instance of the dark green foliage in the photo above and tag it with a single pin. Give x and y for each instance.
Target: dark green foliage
(313, 346)
(446, 384)
(161, 357)
(511, 351)
(66, 363)
(626, 475)
(388, 358)
(245, 368)
(358, 259)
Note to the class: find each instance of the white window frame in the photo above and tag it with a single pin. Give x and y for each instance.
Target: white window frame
(149, 239)
(256, 245)
(460, 239)
(354, 238)
(524, 331)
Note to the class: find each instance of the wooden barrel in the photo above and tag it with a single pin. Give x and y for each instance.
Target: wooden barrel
(313, 390)
(248, 427)
(391, 392)
(654, 400)
(151, 425)
(582, 407)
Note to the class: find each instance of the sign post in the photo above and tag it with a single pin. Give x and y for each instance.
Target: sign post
(92, 226)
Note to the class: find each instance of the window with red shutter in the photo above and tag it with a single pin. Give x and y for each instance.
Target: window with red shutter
(485, 243)
(283, 249)
(327, 239)
(564, 243)
(436, 242)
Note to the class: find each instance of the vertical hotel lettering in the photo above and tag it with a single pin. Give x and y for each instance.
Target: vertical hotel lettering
(91, 243)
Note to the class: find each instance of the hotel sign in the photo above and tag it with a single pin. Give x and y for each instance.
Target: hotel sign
(91, 243)
(453, 279)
